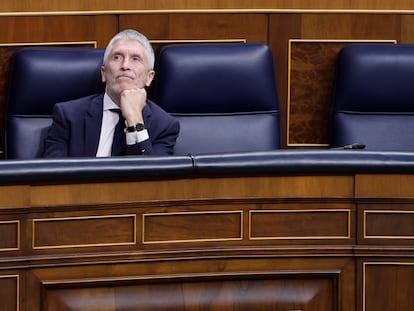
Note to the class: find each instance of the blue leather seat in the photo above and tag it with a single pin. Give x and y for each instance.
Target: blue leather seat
(373, 97)
(41, 77)
(224, 95)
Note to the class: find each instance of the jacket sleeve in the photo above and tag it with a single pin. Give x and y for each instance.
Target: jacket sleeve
(161, 140)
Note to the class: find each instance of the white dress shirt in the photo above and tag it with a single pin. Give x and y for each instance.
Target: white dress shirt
(109, 121)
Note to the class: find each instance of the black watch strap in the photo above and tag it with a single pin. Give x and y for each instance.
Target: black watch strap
(135, 128)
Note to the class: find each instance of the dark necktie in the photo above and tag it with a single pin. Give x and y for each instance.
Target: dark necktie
(118, 144)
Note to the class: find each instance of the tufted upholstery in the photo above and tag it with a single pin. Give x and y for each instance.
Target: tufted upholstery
(224, 95)
(41, 77)
(373, 97)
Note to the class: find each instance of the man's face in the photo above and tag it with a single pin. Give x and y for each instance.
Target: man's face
(126, 68)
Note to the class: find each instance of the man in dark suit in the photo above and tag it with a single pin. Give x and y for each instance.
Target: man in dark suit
(122, 121)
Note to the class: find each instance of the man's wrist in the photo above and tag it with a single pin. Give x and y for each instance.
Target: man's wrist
(136, 137)
(135, 128)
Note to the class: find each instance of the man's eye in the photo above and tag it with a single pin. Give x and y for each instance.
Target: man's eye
(137, 59)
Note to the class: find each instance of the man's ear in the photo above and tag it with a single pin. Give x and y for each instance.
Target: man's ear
(150, 77)
(103, 78)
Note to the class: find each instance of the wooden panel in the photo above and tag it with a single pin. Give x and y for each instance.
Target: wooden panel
(196, 283)
(196, 188)
(237, 293)
(93, 5)
(14, 196)
(63, 28)
(307, 224)
(351, 26)
(192, 226)
(282, 28)
(388, 286)
(108, 230)
(309, 91)
(9, 293)
(82, 237)
(389, 224)
(9, 235)
(171, 27)
(384, 185)
(218, 284)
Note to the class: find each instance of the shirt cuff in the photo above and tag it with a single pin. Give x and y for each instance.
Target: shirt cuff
(133, 138)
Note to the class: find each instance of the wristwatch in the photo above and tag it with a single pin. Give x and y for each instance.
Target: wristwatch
(135, 128)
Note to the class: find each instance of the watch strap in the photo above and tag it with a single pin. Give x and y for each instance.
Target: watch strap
(135, 128)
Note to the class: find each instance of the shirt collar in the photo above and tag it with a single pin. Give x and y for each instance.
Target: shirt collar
(108, 103)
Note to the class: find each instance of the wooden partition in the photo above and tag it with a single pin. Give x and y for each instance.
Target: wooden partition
(299, 242)
(305, 41)
(270, 242)
(30, 6)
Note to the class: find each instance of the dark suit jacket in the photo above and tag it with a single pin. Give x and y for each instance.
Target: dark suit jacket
(76, 128)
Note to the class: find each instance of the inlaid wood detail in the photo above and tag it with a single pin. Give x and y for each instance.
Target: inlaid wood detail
(9, 235)
(300, 224)
(69, 232)
(192, 226)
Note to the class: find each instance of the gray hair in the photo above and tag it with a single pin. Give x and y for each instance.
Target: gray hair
(130, 34)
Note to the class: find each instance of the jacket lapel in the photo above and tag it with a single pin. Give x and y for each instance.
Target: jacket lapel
(92, 125)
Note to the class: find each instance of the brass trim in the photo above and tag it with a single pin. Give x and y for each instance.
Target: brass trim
(17, 235)
(5, 276)
(170, 41)
(192, 213)
(366, 236)
(195, 11)
(288, 104)
(364, 264)
(134, 216)
(49, 43)
(347, 236)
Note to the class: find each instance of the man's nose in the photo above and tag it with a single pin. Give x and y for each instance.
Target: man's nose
(125, 63)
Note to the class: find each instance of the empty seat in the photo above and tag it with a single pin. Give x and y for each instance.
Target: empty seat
(224, 95)
(373, 97)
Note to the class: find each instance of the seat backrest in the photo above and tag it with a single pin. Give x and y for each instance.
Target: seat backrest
(41, 77)
(373, 97)
(224, 95)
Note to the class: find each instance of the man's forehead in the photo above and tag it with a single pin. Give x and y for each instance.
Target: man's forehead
(128, 45)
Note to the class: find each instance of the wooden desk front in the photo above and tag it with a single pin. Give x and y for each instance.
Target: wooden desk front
(299, 242)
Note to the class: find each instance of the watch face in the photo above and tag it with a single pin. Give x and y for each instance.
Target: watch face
(130, 129)
(139, 127)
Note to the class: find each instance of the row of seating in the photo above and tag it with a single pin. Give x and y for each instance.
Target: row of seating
(224, 95)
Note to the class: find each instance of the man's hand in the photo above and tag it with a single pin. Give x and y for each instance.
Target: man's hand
(132, 104)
